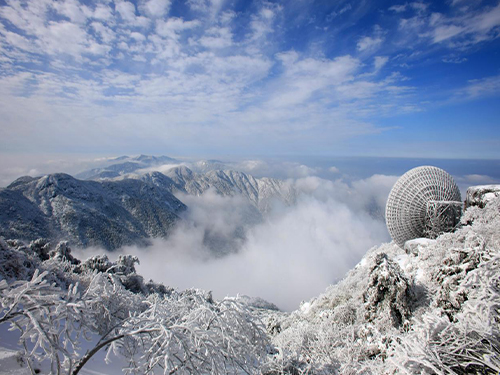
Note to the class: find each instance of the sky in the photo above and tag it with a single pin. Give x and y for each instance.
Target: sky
(216, 77)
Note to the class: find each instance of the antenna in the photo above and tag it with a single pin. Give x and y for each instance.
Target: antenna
(407, 205)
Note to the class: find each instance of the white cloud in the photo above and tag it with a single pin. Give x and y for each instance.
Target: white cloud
(155, 8)
(102, 12)
(163, 168)
(226, 17)
(67, 38)
(220, 37)
(262, 22)
(119, 79)
(291, 256)
(173, 26)
(463, 31)
(127, 11)
(480, 87)
(487, 20)
(18, 41)
(379, 62)
(392, 88)
(446, 32)
(419, 7)
(55, 37)
(398, 8)
(304, 77)
(335, 14)
(73, 10)
(207, 73)
(480, 179)
(454, 30)
(209, 8)
(137, 36)
(107, 35)
(13, 166)
(412, 25)
(369, 43)
(454, 60)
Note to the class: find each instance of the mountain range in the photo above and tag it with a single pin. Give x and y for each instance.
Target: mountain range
(259, 191)
(124, 202)
(203, 175)
(121, 165)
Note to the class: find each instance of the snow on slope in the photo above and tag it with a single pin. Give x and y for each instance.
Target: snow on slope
(259, 191)
(11, 363)
(124, 164)
(86, 213)
(48, 296)
(435, 310)
(203, 175)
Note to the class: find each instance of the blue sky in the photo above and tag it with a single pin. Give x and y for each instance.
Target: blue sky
(404, 79)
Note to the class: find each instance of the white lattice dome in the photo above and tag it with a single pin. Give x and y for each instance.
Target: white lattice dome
(406, 205)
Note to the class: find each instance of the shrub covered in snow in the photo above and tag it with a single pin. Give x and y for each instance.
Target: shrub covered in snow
(389, 294)
(109, 305)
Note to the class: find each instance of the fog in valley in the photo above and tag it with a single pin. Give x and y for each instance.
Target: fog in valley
(285, 256)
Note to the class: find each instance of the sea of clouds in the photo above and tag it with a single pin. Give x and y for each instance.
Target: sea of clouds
(288, 255)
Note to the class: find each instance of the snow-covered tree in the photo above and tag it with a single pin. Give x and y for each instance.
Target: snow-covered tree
(184, 332)
(51, 322)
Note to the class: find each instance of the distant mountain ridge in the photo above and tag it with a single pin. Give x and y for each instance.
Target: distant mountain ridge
(108, 214)
(204, 175)
(259, 191)
(126, 164)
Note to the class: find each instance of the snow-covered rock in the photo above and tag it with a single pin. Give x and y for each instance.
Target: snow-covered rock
(482, 194)
(389, 294)
(414, 246)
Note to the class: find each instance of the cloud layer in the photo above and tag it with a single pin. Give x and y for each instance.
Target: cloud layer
(289, 256)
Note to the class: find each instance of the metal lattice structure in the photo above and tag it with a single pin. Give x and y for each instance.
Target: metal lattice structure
(405, 212)
(442, 217)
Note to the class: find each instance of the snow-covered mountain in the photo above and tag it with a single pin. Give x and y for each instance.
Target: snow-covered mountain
(204, 166)
(122, 165)
(202, 176)
(259, 191)
(119, 205)
(109, 214)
